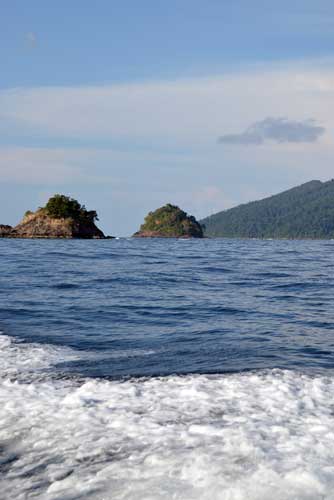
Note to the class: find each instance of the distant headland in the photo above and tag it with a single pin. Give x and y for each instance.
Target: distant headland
(305, 211)
(169, 221)
(62, 217)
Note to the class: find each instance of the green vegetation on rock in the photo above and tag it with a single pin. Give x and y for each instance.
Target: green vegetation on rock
(62, 217)
(306, 211)
(60, 206)
(170, 221)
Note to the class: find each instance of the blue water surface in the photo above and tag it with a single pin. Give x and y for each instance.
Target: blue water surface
(145, 307)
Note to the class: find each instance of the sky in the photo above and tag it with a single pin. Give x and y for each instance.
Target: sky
(128, 105)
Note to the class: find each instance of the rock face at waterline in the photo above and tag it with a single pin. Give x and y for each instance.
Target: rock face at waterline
(62, 217)
(5, 230)
(169, 221)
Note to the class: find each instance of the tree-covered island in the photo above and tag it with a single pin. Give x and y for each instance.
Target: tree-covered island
(169, 221)
(62, 217)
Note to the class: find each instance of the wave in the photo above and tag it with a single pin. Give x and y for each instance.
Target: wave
(64, 286)
(19, 360)
(27, 362)
(258, 435)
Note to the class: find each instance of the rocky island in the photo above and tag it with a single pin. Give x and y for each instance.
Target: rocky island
(169, 221)
(62, 217)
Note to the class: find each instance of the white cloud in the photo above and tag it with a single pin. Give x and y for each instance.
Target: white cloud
(61, 166)
(168, 131)
(31, 39)
(204, 200)
(50, 166)
(33, 165)
(180, 112)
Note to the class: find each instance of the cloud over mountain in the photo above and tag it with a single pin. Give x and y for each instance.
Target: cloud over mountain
(279, 130)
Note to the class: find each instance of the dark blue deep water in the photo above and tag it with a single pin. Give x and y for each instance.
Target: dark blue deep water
(166, 369)
(158, 307)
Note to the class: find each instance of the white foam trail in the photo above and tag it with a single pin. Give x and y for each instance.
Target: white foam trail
(244, 436)
(19, 358)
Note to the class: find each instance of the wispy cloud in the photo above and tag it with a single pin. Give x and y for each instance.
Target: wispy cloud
(31, 39)
(279, 130)
(82, 166)
(39, 166)
(180, 112)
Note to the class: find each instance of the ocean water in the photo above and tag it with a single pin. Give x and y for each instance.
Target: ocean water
(166, 369)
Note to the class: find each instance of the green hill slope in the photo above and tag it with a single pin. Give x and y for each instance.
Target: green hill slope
(306, 211)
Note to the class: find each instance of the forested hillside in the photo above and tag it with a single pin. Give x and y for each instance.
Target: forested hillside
(306, 211)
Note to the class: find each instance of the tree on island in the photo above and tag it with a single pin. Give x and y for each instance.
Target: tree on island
(60, 206)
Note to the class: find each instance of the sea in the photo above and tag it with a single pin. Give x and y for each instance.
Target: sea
(148, 369)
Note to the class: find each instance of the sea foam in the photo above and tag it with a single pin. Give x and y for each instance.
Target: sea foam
(24, 359)
(264, 435)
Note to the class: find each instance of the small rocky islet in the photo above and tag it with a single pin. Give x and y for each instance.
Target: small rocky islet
(62, 217)
(65, 217)
(169, 221)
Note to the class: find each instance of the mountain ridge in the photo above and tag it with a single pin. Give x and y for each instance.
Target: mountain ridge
(305, 211)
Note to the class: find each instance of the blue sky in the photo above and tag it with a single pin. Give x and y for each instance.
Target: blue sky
(129, 105)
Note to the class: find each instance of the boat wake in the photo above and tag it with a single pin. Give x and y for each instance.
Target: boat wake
(268, 434)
